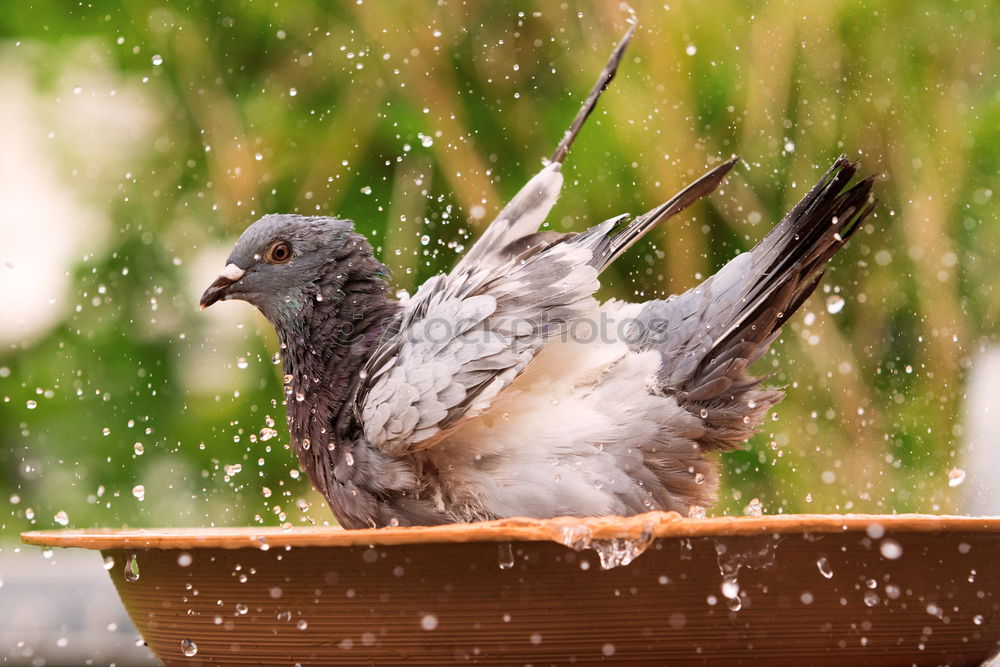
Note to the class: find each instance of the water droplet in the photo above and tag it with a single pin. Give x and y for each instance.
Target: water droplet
(109, 562)
(506, 558)
(704, 413)
(699, 478)
(696, 512)
(755, 508)
(241, 608)
(955, 477)
(690, 49)
(834, 304)
(157, 60)
(184, 559)
(425, 240)
(292, 92)
(891, 549)
(306, 443)
(31, 405)
(139, 491)
(871, 599)
(367, 190)
(266, 492)
(131, 568)
(302, 624)
(242, 363)
(978, 619)
(730, 588)
(349, 458)
(138, 448)
(823, 565)
(234, 469)
(61, 518)
(189, 648)
(428, 622)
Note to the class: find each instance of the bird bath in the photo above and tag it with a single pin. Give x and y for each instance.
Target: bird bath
(779, 590)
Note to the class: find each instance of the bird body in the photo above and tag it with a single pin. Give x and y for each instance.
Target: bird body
(503, 388)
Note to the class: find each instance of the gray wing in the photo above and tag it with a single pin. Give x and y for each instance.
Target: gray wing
(468, 336)
(525, 213)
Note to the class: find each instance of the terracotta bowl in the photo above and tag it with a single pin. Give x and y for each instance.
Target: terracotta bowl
(777, 590)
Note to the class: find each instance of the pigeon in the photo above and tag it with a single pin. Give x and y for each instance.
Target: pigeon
(504, 388)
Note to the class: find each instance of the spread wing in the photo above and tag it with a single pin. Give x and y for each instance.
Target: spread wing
(465, 336)
(468, 336)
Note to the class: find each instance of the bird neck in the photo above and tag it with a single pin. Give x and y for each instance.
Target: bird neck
(324, 350)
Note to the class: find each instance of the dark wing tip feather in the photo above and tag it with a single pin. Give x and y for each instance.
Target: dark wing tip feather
(792, 258)
(607, 74)
(624, 239)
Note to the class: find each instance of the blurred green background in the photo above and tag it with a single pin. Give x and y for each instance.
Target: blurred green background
(139, 139)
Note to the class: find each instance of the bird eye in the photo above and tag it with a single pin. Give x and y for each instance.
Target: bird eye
(279, 253)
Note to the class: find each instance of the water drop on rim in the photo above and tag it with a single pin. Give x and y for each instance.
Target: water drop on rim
(189, 648)
(506, 557)
(131, 568)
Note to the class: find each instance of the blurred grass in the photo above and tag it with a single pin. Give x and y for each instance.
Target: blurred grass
(411, 118)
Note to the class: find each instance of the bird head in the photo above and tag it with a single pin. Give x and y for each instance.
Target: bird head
(280, 262)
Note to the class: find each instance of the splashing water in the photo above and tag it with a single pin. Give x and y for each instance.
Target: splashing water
(612, 552)
(759, 556)
(834, 304)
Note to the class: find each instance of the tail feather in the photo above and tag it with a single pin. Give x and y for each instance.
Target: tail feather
(710, 335)
(789, 262)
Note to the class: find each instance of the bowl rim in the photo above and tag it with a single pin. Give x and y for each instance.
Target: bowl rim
(650, 524)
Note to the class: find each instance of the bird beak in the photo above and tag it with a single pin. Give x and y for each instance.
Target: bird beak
(217, 290)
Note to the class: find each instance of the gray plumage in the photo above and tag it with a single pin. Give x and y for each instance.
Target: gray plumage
(504, 388)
